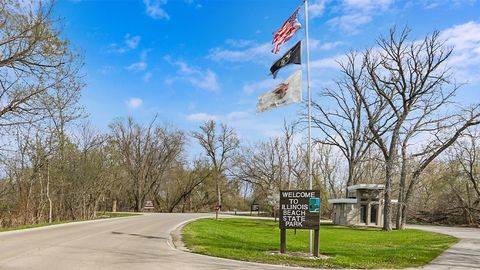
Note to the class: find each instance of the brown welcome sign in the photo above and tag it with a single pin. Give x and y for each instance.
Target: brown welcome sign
(299, 209)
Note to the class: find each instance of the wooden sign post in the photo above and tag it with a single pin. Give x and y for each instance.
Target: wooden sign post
(217, 208)
(299, 209)
(148, 205)
(255, 207)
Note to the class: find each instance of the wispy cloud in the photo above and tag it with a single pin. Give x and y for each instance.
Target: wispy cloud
(263, 85)
(239, 43)
(316, 8)
(465, 39)
(316, 44)
(349, 23)
(465, 59)
(134, 103)
(204, 79)
(147, 76)
(244, 122)
(203, 116)
(132, 42)
(141, 65)
(356, 13)
(367, 5)
(105, 70)
(330, 45)
(327, 63)
(431, 4)
(129, 43)
(242, 51)
(154, 9)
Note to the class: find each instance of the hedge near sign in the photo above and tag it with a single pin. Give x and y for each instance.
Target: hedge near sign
(300, 209)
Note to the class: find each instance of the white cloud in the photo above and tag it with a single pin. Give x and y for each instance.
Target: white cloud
(129, 43)
(356, 13)
(107, 69)
(465, 59)
(265, 85)
(239, 43)
(316, 44)
(327, 63)
(141, 64)
(132, 42)
(147, 76)
(134, 103)
(154, 9)
(138, 66)
(367, 5)
(350, 23)
(207, 80)
(330, 45)
(201, 117)
(431, 4)
(245, 123)
(254, 52)
(204, 79)
(316, 9)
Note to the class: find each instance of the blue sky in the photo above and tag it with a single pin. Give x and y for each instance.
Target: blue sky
(192, 60)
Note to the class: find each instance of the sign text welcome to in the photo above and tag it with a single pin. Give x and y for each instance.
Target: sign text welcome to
(300, 209)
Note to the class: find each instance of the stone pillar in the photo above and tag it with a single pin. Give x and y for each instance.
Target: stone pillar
(369, 212)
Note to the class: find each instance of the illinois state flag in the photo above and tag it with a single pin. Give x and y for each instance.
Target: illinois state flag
(287, 92)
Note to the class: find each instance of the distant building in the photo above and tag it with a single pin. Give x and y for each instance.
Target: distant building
(362, 207)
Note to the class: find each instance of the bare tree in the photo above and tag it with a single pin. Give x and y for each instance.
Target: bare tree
(33, 59)
(219, 149)
(344, 125)
(182, 183)
(289, 147)
(147, 154)
(401, 85)
(328, 167)
(467, 154)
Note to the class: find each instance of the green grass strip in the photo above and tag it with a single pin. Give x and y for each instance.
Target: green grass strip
(99, 216)
(247, 240)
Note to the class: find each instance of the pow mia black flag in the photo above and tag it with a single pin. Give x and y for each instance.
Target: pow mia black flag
(292, 56)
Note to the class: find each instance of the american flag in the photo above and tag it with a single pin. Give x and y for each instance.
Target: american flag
(288, 29)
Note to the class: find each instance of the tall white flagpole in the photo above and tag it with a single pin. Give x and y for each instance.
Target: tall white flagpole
(310, 184)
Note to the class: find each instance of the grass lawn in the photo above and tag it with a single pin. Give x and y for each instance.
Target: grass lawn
(109, 214)
(247, 239)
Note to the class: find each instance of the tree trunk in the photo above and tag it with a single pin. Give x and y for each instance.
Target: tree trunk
(350, 178)
(114, 206)
(387, 192)
(401, 193)
(219, 195)
(50, 205)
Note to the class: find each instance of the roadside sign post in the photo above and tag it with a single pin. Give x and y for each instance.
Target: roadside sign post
(283, 241)
(217, 208)
(255, 207)
(148, 205)
(299, 209)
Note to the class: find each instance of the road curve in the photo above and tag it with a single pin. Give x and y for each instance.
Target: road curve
(142, 242)
(133, 243)
(465, 255)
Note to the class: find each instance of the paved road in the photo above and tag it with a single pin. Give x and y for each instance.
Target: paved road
(463, 255)
(125, 243)
(143, 243)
